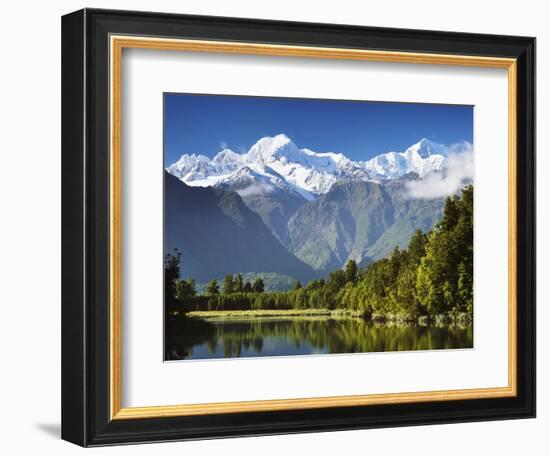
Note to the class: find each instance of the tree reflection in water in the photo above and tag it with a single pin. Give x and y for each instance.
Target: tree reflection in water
(217, 338)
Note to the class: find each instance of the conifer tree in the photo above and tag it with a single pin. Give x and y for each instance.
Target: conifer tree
(171, 276)
(213, 288)
(258, 285)
(417, 247)
(238, 286)
(228, 284)
(351, 271)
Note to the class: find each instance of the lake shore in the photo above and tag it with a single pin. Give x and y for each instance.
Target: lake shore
(273, 313)
(440, 320)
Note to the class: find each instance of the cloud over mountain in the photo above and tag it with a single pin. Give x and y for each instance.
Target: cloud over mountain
(459, 171)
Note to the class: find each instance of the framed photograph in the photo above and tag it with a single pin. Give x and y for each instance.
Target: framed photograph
(278, 227)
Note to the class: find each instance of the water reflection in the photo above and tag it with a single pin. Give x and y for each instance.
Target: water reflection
(218, 338)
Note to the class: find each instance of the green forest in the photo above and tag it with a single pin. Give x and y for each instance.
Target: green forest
(433, 276)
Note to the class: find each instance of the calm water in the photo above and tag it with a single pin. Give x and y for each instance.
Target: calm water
(219, 338)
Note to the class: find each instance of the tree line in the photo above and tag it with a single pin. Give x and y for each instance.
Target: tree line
(432, 276)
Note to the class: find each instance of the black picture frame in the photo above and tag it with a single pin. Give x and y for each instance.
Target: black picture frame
(85, 228)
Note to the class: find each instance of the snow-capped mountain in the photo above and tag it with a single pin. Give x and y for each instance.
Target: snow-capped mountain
(323, 208)
(421, 158)
(245, 181)
(276, 163)
(310, 172)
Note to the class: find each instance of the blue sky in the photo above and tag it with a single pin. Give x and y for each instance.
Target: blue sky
(360, 130)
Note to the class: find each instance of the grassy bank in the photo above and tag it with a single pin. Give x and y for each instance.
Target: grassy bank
(439, 320)
(273, 313)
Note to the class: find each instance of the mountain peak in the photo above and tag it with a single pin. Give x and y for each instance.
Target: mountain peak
(269, 147)
(282, 137)
(422, 158)
(426, 148)
(227, 155)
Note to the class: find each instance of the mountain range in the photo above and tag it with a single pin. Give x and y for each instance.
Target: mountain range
(283, 209)
(277, 163)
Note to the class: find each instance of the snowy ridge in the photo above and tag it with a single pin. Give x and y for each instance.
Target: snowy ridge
(421, 158)
(277, 164)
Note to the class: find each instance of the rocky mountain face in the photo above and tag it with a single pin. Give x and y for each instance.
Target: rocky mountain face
(217, 234)
(272, 198)
(358, 220)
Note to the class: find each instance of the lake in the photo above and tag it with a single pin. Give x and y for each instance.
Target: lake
(278, 336)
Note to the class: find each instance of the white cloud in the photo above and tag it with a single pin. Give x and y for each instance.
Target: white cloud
(459, 171)
(223, 145)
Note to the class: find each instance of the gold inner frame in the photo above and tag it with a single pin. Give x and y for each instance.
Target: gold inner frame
(117, 44)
